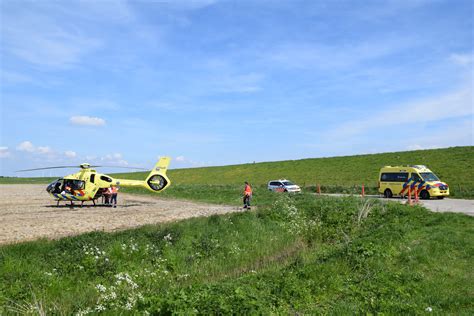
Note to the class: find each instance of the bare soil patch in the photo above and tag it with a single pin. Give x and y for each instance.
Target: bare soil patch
(28, 212)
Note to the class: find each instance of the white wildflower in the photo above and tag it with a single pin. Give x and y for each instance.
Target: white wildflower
(428, 309)
(84, 312)
(100, 308)
(100, 288)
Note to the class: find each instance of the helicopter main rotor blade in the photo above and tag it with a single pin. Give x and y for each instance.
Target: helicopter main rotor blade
(58, 167)
(64, 167)
(120, 167)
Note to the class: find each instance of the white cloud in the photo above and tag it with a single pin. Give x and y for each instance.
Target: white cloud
(94, 104)
(461, 59)
(188, 5)
(451, 105)
(188, 162)
(180, 159)
(70, 154)
(87, 120)
(39, 39)
(421, 147)
(330, 57)
(4, 152)
(115, 159)
(456, 133)
(8, 77)
(26, 146)
(44, 150)
(246, 83)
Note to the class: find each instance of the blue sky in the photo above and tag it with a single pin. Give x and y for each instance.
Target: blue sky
(226, 82)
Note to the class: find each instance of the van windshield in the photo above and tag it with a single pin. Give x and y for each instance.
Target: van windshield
(429, 176)
(288, 183)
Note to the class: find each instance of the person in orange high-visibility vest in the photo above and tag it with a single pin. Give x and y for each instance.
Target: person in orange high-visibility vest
(113, 197)
(247, 195)
(106, 194)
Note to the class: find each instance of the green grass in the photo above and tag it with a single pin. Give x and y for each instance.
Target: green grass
(299, 254)
(216, 194)
(335, 175)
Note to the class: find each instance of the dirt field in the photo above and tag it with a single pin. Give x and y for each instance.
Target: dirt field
(27, 212)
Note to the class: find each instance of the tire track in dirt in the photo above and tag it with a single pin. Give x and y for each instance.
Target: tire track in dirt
(27, 212)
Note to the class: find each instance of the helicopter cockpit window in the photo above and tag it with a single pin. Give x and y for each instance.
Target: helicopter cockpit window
(74, 184)
(55, 187)
(107, 179)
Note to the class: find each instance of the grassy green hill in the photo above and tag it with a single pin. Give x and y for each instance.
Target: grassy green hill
(335, 174)
(453, 165)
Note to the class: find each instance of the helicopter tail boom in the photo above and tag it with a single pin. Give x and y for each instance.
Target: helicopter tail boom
(156, 181)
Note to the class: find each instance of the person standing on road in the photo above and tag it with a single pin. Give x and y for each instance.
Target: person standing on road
(247, 195)
(113, 198)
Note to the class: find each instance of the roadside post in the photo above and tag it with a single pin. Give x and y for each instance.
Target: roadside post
(363, 190)
(319, 189)
(409, 196)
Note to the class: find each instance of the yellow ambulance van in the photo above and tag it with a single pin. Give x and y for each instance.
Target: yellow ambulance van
(398, 180)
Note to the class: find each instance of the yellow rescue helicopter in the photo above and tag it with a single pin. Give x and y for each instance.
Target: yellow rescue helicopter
(89, 185)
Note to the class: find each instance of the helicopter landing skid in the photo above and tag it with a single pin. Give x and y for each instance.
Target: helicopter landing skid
(72, 203)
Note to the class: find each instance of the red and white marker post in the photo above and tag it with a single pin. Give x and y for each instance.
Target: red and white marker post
(409, 196)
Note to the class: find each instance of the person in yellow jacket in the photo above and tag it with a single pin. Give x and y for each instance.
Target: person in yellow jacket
(247, 195)
(113, 197)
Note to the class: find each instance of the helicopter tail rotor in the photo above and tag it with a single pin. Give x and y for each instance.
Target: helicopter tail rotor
(157, 180)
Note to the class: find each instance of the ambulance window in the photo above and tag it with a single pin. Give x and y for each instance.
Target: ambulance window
(402, 177)
(394, 177)
(416, 177)
(92, 178)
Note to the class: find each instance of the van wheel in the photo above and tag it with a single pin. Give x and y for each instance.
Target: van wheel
(424, 195)
(387, 193)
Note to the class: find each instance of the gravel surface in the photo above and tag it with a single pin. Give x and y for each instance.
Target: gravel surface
(28, 212)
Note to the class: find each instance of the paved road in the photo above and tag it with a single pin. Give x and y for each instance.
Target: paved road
(445, 205)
